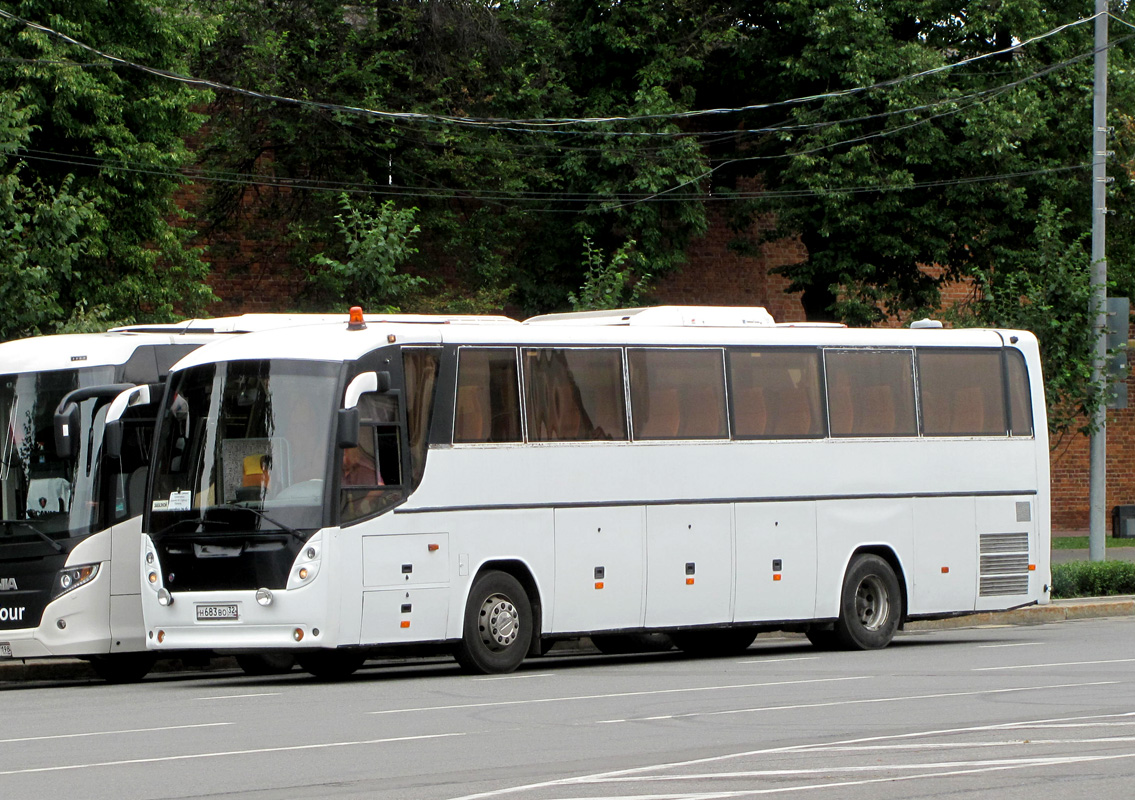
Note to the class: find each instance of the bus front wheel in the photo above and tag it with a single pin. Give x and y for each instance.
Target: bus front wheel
(870, 605)
(498, 625)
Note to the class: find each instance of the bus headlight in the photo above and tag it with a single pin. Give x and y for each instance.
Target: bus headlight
(152, 570)
(306, 565)
(164, 597)
(72, 578)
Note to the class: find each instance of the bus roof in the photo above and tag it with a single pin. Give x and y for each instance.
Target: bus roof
(335, 342)
(76, 350)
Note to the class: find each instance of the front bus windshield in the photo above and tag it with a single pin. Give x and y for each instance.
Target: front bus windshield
(41, 494)
(243, 450)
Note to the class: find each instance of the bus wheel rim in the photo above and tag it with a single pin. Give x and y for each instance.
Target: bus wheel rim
(872, 603)
(499, 622)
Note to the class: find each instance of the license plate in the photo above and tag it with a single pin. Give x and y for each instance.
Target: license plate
(227, 611)
(5, 650)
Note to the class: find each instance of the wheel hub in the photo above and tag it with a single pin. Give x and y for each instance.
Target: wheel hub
(872, 603)
(500, 624)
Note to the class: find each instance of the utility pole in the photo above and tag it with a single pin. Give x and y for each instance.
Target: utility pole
(1097, 481)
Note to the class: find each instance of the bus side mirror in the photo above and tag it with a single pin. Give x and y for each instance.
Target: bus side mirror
(112, 439)
(67, 431)
(348, 424)
(365, 383)
(383, 381)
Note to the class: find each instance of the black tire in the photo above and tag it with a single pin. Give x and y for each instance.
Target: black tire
(714, 643)
(498, 625)
(626, 643)
(870, 605)
(331, 665)
(123, 667)
(265, 663)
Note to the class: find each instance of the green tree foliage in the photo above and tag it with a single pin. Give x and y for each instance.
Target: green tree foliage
(609, 283)
(503, 206)
(41, 234)
(90, 173)
(892, 189)
(377, 242)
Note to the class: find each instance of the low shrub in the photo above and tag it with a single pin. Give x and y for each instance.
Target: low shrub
(1092, 578)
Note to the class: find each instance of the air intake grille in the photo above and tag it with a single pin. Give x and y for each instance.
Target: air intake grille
(1004, 564)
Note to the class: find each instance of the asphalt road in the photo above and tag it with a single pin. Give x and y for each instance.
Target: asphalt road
(968, 712)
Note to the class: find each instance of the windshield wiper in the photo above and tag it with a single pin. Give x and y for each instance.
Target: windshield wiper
(14, 522)
(286, 528)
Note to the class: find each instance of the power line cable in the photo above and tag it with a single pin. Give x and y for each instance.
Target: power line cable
(534, 123)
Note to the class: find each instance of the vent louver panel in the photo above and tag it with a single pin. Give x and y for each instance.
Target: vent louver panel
(1004, 564)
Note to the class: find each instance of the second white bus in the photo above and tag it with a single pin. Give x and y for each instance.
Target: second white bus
(492, 487)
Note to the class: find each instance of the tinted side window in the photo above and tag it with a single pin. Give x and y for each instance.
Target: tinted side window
(776, 393)
(371, 475)
(1020, 400)
(421, 367)
(488, 396)
(574, 395)
(870, 392)
(677, 394)
(962, 392)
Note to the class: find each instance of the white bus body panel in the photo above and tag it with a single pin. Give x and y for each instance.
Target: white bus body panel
(611, 540)
(767, 533)
(689, 564)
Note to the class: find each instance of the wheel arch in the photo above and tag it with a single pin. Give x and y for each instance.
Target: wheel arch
(888, 554)
(527, 579)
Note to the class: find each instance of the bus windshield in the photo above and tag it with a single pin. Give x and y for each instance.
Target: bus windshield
(244, 446)
(41, 494)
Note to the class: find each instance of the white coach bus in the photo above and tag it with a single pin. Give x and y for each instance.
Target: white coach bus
(72, 499)
(492, 487)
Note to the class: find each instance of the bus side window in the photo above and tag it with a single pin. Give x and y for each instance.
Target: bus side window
(776, 393)
(678, 394)
(1020, 401)
(879, 398)
(574, 394)
(488, 396)
(371, 473)
(962, 392)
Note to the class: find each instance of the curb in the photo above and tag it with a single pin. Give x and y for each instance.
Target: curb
(1056, 611)
(55, 669)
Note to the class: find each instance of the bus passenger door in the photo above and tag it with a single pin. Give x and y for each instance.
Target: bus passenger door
(776, 562)
(689, 565)
(600, 556)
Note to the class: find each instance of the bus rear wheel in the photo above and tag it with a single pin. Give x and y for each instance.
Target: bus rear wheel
(498, 625)
(870, 605)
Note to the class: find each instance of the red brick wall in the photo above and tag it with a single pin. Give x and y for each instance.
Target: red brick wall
(714, 275)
